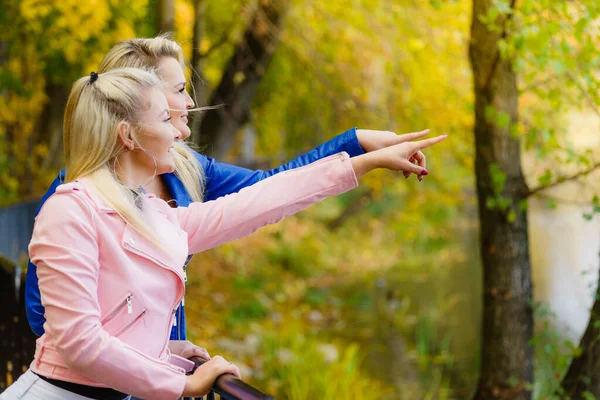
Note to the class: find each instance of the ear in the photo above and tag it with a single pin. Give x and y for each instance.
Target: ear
(124, 131)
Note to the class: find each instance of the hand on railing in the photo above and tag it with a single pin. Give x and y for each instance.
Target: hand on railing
(229, 387)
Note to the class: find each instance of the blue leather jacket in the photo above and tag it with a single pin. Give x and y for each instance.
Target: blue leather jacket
(221, 179)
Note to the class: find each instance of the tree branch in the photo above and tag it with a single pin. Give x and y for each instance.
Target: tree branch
(241, 77)
(537, 83)
(592, 104)
(565, 201)
(563, 179)
(222, 40)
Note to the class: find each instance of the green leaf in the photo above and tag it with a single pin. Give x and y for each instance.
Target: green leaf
(559, 67)
(503, 203)
(436, 4)
(513, 381)
(490, 112)
(545, 179)
(587, 395)
(512, 216)
(504, 7)
(498, 178)
(502, 119)
(523, 205)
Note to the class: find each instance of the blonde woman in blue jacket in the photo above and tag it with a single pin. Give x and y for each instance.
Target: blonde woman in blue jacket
(197, 177)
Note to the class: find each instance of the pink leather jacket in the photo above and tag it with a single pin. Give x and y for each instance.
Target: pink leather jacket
(110, 294)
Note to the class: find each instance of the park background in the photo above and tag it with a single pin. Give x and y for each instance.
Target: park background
(475, 283)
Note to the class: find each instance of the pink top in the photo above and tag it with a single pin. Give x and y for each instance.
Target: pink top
(110, 294)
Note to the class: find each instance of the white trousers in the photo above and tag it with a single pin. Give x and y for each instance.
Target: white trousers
(29, 386)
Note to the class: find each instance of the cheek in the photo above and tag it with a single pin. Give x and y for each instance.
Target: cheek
(176, 102)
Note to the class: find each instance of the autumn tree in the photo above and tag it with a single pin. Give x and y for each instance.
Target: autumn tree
(546, 45)
(241, 77)
(507, 315)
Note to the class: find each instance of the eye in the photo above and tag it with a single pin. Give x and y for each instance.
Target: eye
(167, 120)
(181, 90)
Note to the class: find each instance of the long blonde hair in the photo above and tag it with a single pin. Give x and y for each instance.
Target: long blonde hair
(91, 141)
(147, 53)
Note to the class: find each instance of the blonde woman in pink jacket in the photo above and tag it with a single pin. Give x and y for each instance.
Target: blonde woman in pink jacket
(111, 257)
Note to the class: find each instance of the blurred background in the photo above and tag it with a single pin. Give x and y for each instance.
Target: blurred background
(376, 294)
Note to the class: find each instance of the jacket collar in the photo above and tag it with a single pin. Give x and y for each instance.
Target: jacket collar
(85, 185)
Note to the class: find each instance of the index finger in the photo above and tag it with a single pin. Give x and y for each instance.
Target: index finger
(421, 144)
(407, 137)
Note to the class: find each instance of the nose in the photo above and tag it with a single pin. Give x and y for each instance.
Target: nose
(176, 133)
(189, 102)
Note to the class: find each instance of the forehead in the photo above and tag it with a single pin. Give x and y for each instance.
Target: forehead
(170, 71)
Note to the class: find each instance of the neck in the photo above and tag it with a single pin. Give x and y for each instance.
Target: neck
(132, 173)
(158, 187)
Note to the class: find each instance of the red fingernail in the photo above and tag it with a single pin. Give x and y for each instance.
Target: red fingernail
(424, 172)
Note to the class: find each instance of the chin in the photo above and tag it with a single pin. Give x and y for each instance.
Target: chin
(167, 168)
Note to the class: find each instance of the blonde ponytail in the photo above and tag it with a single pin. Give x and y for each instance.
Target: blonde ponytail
(91, 143)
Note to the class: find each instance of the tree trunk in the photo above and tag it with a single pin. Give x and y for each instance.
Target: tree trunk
(241, 77)
(50, 125)
(165, 16)
(583, 373)
(506, 357)
(198, 85)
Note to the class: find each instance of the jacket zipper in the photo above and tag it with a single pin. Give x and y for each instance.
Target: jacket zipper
(127, 302)
(170, 326)
(126, 327)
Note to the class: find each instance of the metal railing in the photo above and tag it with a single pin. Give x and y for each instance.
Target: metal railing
(228, 387)
(17, 341)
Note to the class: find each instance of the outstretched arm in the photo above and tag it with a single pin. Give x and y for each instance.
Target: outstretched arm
(233, 216)
(223, 179)
(236, 215)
